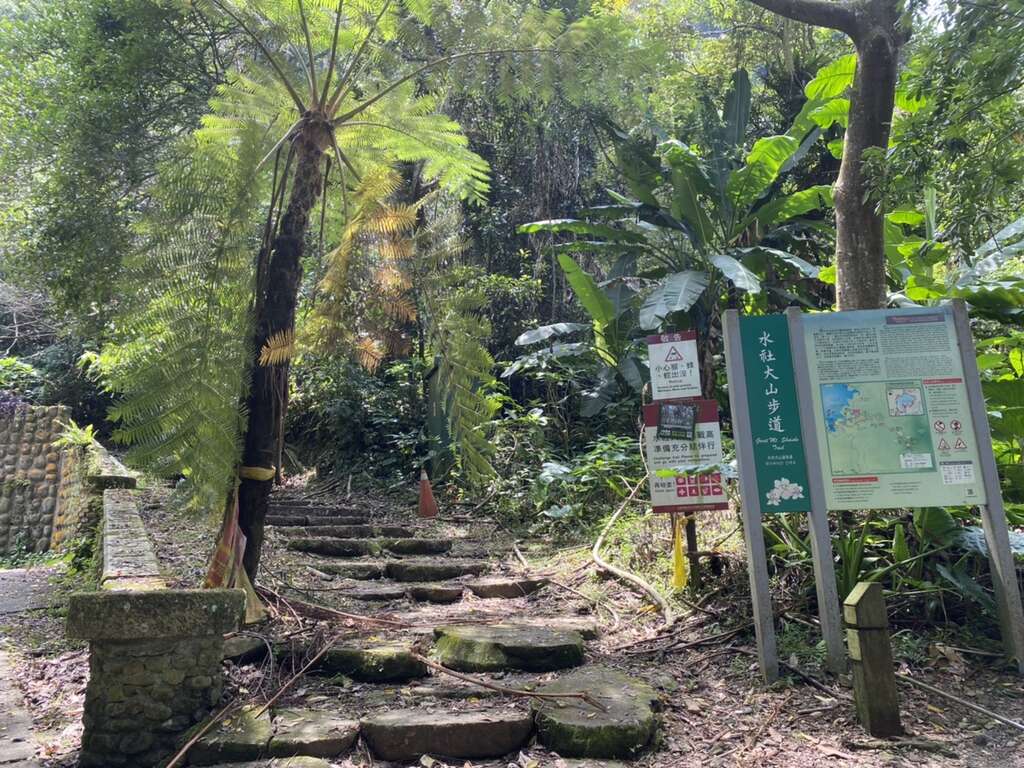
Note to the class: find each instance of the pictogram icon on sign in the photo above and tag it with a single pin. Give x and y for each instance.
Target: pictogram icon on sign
(955, 425)
(960, 444)
(673, 356)
(943, 445)
(939, 425)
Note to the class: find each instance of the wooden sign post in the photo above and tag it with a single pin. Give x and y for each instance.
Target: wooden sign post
(874, 679)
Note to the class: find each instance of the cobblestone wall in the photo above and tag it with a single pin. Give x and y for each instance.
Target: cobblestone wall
(29, 479)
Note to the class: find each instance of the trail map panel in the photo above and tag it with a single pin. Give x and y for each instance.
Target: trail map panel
(891, 411)
(685, 492)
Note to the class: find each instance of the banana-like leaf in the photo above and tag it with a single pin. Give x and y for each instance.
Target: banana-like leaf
(737, 274)
(589, 293)
(737, 109)
(1005, 244)
(832, 112)
(764, 163)
(998, 300)
(774, 253)
(545, 332)
(805, 146)
(833, 79)
(781, 209)
(676, 293)
(580, 227)
(690, 186)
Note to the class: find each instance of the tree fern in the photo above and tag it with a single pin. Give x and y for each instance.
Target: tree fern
(179, 358)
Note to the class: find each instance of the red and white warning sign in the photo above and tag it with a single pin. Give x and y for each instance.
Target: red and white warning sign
(674, 368)
(685, 492)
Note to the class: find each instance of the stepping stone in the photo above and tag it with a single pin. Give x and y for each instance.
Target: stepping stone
(359, 531)
(239, 737)
(281, 762)
(311, 733)
(335, 547)
(355, 570)
(416, 546)
(432, 570)
(587, 627)
(299, 521)
(576, 729)
(482, 648)
(436, 593)
(380, 663)
(244, 649)
(377, 592)
(505, 588)
(408, 734)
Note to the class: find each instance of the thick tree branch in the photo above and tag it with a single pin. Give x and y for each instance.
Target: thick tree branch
(821, 13)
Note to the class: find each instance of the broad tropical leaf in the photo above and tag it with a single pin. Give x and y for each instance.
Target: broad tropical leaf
(738, 275)
(545, 332)
(588, 292)
(676, 293)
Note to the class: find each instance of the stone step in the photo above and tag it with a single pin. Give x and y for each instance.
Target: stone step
(311, 733)
(496, 586)
(361, 570)
(355, 531)
(333, 547)
(374, 662)
(432, 570)
(573, 728)
(408, 734)
(440, 593)
(299, 521)
(285, 733)
(498, 647)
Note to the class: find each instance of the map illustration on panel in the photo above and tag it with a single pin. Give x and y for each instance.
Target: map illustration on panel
(875, 428)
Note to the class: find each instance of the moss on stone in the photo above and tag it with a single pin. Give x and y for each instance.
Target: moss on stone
(389, 662)
(578, 729)
(478, 648)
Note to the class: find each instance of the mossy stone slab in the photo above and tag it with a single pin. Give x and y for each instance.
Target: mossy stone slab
(497, 587)
(412, 546)
(379, 593)
(407, 734)
(436, 593)
(576, 729)
(244, 649)
(361, 571)
(311, 733)
(432, 570)
(242, 736)
(374, 663)
(482, 648)
(336, 547)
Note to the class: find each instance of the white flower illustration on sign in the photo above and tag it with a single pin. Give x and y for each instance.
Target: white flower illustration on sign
(784, 490)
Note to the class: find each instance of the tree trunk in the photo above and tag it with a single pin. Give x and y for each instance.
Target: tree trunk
(877, 30)
(860, 239)
(277, 299)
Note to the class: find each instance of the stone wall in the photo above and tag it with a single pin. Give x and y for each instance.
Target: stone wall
(154, 653)
(29, 479)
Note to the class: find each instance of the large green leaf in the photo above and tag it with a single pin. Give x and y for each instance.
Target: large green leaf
(935, 525)
(774, 253)
(580, 227)
(589, 293)
(1005, 244)
(690, 186)
(833, 79)
(832, 112)
(736, 114)
(676, 293)
(1007, 398)
(762, 168)
(996, 299)
(782, 209)
(738, 275)
(545, 332)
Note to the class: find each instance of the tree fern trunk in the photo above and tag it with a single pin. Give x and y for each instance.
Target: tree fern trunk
(275, 313)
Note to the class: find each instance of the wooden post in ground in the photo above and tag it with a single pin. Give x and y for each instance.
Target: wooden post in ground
(874, 679)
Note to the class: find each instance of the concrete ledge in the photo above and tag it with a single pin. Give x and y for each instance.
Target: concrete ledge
(134, 616)
(108, 472)
(129, 561)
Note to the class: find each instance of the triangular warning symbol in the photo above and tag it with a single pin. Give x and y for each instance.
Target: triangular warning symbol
(960, 443)
(943, 445)
(673, 355)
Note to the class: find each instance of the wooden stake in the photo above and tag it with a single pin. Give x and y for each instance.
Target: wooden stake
(874, 679)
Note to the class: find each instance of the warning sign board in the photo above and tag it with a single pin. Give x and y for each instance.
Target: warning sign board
(674, 369)
(681, 491)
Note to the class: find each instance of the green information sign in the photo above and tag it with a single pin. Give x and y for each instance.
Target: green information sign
(779, 458)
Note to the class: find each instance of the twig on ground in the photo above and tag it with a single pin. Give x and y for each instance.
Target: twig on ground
(616, 620)
(180, 754)
(675, 647)
(812, 681)
(578, 695)
(925, 745)
(625, 575)
(322, 612)
(963, 702)
(305, 668)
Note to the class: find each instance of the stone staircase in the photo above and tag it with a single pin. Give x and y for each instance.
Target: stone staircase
(459, 610)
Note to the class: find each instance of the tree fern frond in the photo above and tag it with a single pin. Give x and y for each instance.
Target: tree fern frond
(279, 348)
